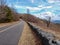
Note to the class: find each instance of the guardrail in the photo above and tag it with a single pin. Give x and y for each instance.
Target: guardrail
(47, 38)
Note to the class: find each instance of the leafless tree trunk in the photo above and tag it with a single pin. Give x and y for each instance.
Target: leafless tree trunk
(2, 2)
(48, 21)
(2, 6)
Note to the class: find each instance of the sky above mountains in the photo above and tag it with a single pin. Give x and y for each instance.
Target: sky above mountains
(39, 8)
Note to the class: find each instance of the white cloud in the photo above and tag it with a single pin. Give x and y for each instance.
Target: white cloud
(57, 0)
(17, 6)
(10, 5)
(48, 7)
(45, 15)
(33, 8)
(48, 14)
(41, 6)
(28, 7)
(59, 4)
(53, 1)
(32, 1)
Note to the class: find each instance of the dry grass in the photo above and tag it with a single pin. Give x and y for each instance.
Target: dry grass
(7, 24)
(53, 28)
(47, 29)
(28, 37)
(40, 22)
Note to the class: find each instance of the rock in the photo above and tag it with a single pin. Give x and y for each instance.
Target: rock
(46, 37)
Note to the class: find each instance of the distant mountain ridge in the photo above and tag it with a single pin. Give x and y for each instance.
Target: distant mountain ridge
(56, 21)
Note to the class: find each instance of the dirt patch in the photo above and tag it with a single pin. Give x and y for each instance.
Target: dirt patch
(29, 37)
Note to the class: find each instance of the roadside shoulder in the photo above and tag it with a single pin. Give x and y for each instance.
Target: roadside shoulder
(28, 37)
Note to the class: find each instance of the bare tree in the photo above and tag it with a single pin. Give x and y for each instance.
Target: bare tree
(2, 2)
(2, 9)
(2, 5)
(28, 11)
(48, 21)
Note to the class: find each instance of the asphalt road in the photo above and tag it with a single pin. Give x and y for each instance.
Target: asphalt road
(12, 34)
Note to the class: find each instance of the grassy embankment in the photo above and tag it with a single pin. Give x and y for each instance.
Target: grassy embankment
(53, 28)
(29, 37)
(7, 24)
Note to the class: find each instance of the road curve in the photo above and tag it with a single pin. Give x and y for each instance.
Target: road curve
(12, 34)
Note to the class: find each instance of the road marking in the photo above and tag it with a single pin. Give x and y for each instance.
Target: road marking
(9, 27)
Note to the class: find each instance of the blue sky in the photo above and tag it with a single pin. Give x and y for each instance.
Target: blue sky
(39, 8)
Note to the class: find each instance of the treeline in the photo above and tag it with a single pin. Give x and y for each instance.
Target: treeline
(7, 14)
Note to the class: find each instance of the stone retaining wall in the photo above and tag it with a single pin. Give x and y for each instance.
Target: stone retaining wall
(47, 38)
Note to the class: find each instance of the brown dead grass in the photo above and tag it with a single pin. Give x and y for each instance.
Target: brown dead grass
(7, 24)
(40, 22)
(53, 28)
(28, 37)
(47, 29)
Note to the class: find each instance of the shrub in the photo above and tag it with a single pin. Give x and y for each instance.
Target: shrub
(9, 16)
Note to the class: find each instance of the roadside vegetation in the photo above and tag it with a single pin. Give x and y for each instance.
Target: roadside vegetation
(7, 14)
(29, 37)
(42, 23)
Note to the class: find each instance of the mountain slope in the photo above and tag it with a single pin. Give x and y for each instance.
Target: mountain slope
(40, 22)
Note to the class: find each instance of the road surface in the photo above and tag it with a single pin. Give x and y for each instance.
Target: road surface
(12, 34)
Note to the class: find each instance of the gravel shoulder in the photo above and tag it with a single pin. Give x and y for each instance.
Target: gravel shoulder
(28, 37)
